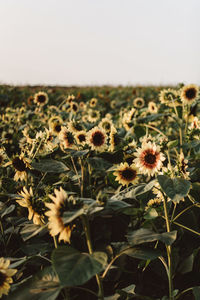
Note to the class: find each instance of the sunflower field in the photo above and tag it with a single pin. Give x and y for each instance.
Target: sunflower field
(100, 193)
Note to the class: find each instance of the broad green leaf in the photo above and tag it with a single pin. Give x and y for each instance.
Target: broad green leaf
(144, 235)
(176, 188)
(8, 210)
(75, 268)
(186, 265)
(45, 285)
(142, 253)
(151, 214)
(50, 166)
(196, 292)
(172, 144)
(69, 216)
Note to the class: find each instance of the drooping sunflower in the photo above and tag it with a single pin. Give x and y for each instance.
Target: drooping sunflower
(55, 214)
(81, 137)
(5, 276)
(189, 93)
(41, 98)
(66, 138)
(74, 126)
(138, 102)
(55, 124)
(126, 174)
(26, 199)
(70, 98)
(114, 139)
(152, 107)
(149, 158)
(169, 97)
(97, 139)
(21, 166)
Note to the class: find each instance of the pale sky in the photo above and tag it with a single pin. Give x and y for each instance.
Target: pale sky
(96, 42)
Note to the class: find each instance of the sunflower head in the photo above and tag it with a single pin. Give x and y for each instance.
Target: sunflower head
(189, 93)
(5, 276)
(81, 137)
(97, 139)
(66, 138)
(138, 102)
(41, 98)
(152, 107)
(126, 174)
(93, 102)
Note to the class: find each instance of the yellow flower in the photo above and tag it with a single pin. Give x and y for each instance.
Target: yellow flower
(81, 137)
(5, 276)
(93, 116)
(114, 139)
(189, 93)
(97, 139)
(55, 213)
(149, 158)
(25, 199)
(41, 98)
(21, 166)
(152, 107)
(66, 138)
(138, 102)
(93, 102)
(106, 124)
(169, 97)
(126, 174)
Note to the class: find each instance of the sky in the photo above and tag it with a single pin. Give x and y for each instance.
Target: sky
(99, 42)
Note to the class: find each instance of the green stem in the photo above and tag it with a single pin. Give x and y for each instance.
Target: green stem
(169, 257)
(55, 242)
(90, 249)
(182, 212)
(187, 228)
(183, 292)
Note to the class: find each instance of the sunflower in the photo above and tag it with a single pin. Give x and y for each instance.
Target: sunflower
(55, 214)
(106, 124)
(195, 123)
(66, 138)
(26, 199)
(55, 124)
(126, 174)
(97, 139)
(41, 98)
(152, 107)
(138, 102)
(70, 98)
(74, 126)
(73, 107)
(82, 105)
(2, 157)
(93, 116)
(114, 139)
(93, 102)
(169, 97)
(189, 93)
(128, 119)
(21, 166)
(30, 100)
(149, 158)
(5, 276)
(81, 137)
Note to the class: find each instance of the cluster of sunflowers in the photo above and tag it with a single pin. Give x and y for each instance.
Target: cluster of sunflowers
(68, 160)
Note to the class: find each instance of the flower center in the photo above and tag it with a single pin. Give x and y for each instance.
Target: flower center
(41, 98)
(74, 107)
(81, 137)
(150, 158)
(191, 93)
(57, 128)
(128, 174)
(98, 138)
(2, 278)
(19, 164)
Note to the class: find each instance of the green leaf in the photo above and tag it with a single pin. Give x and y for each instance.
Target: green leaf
(151, 214)
(144, 235)
(42, 286)
(196, 292)
(176, 188)
(50, 166)
(69, 216)
(172, 144)
(186, 265)
(143, 253)
(75, 268)
(8, 210)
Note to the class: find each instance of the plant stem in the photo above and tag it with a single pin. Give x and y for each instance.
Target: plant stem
(90, 249)
(168, 247)
(55, 242)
